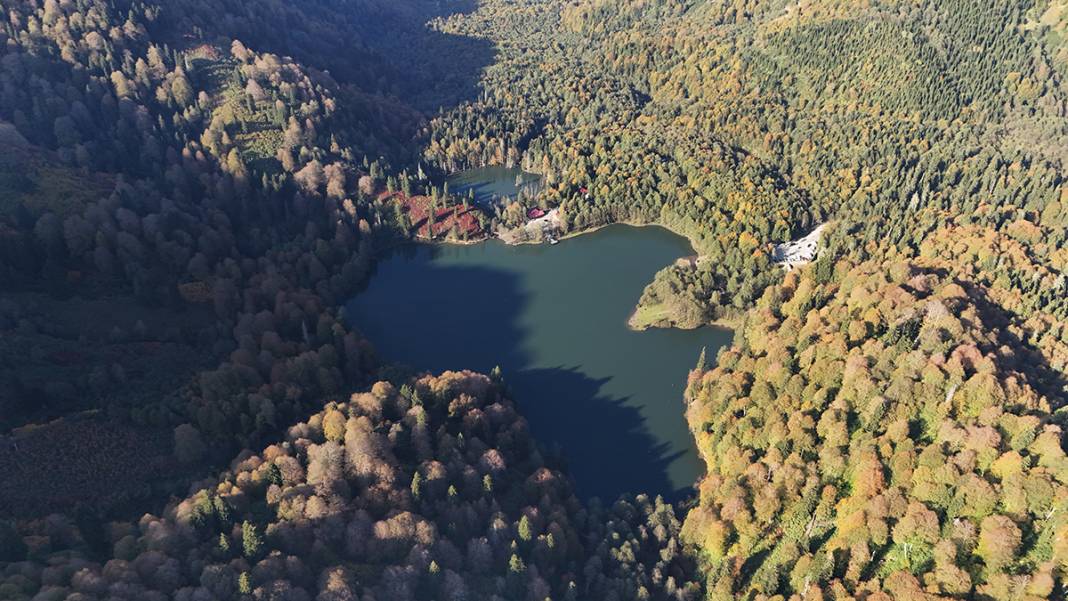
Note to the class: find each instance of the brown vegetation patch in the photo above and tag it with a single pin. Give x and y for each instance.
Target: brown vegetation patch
(92, 461)
(456, 219)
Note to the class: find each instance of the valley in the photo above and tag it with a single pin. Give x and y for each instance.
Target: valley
(553, 320)
(347, 300)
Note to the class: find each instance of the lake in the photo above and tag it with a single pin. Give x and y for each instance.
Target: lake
(491, 184)
(554, 319)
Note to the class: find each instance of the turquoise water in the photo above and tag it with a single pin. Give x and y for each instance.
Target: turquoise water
(554, 319)
(492, 184)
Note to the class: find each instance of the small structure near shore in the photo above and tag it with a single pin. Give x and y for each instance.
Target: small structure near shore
(540, 229)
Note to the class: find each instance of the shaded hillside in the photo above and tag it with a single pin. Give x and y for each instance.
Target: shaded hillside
(435, 490)
(194, 187)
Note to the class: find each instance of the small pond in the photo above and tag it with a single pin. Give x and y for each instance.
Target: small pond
(493, 184)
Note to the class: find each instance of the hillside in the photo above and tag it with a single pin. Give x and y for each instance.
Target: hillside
(886, 426)
(190, 190)
(746, 124)
(435, 490)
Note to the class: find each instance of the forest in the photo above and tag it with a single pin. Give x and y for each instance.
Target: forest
(190, 189)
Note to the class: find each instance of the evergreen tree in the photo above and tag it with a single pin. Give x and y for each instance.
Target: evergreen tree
(244, 584)
(251, 540)
(524, 529)
(274, 474)
(224, 545)
(417, 485)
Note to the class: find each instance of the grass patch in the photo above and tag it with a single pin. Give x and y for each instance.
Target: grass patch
(252, 125)
(650, 316)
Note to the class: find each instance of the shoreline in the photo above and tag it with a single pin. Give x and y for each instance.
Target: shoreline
(567, 236)
(726, 323)
(731, 323)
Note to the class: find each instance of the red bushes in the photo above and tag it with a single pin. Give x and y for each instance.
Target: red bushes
(446, 219)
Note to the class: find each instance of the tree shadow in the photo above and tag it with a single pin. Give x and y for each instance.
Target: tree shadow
(384, 48)
(1044, 377)
(410, 313)
(437, 317)
(396, 52)
(431, 69)
(608, 447)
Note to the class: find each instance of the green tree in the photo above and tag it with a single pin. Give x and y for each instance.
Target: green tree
(251, 540)
(417, 485)
(524, 529)
(516, 565)
(274, 474)
(224, 544)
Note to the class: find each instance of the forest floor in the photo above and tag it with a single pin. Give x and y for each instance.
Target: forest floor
(454, 224)
(39, 181)
(84, 459)
(89, 351)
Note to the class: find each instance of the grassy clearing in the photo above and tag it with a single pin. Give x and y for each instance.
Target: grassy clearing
(649, 316)
(253, 126)
(259, 136)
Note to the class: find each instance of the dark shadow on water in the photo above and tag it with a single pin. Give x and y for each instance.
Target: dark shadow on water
(414, 314)
(437, 318)
(606, 443)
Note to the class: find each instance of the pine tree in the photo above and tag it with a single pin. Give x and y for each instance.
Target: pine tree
(274, 474)
(524, 529)
(702, 363)
(516, 565)
(251, 540)
(244, 584)
(417, 485)
(223, 514)
(224, 545)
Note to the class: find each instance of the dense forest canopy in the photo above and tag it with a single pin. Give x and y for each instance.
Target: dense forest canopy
(189, 190)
